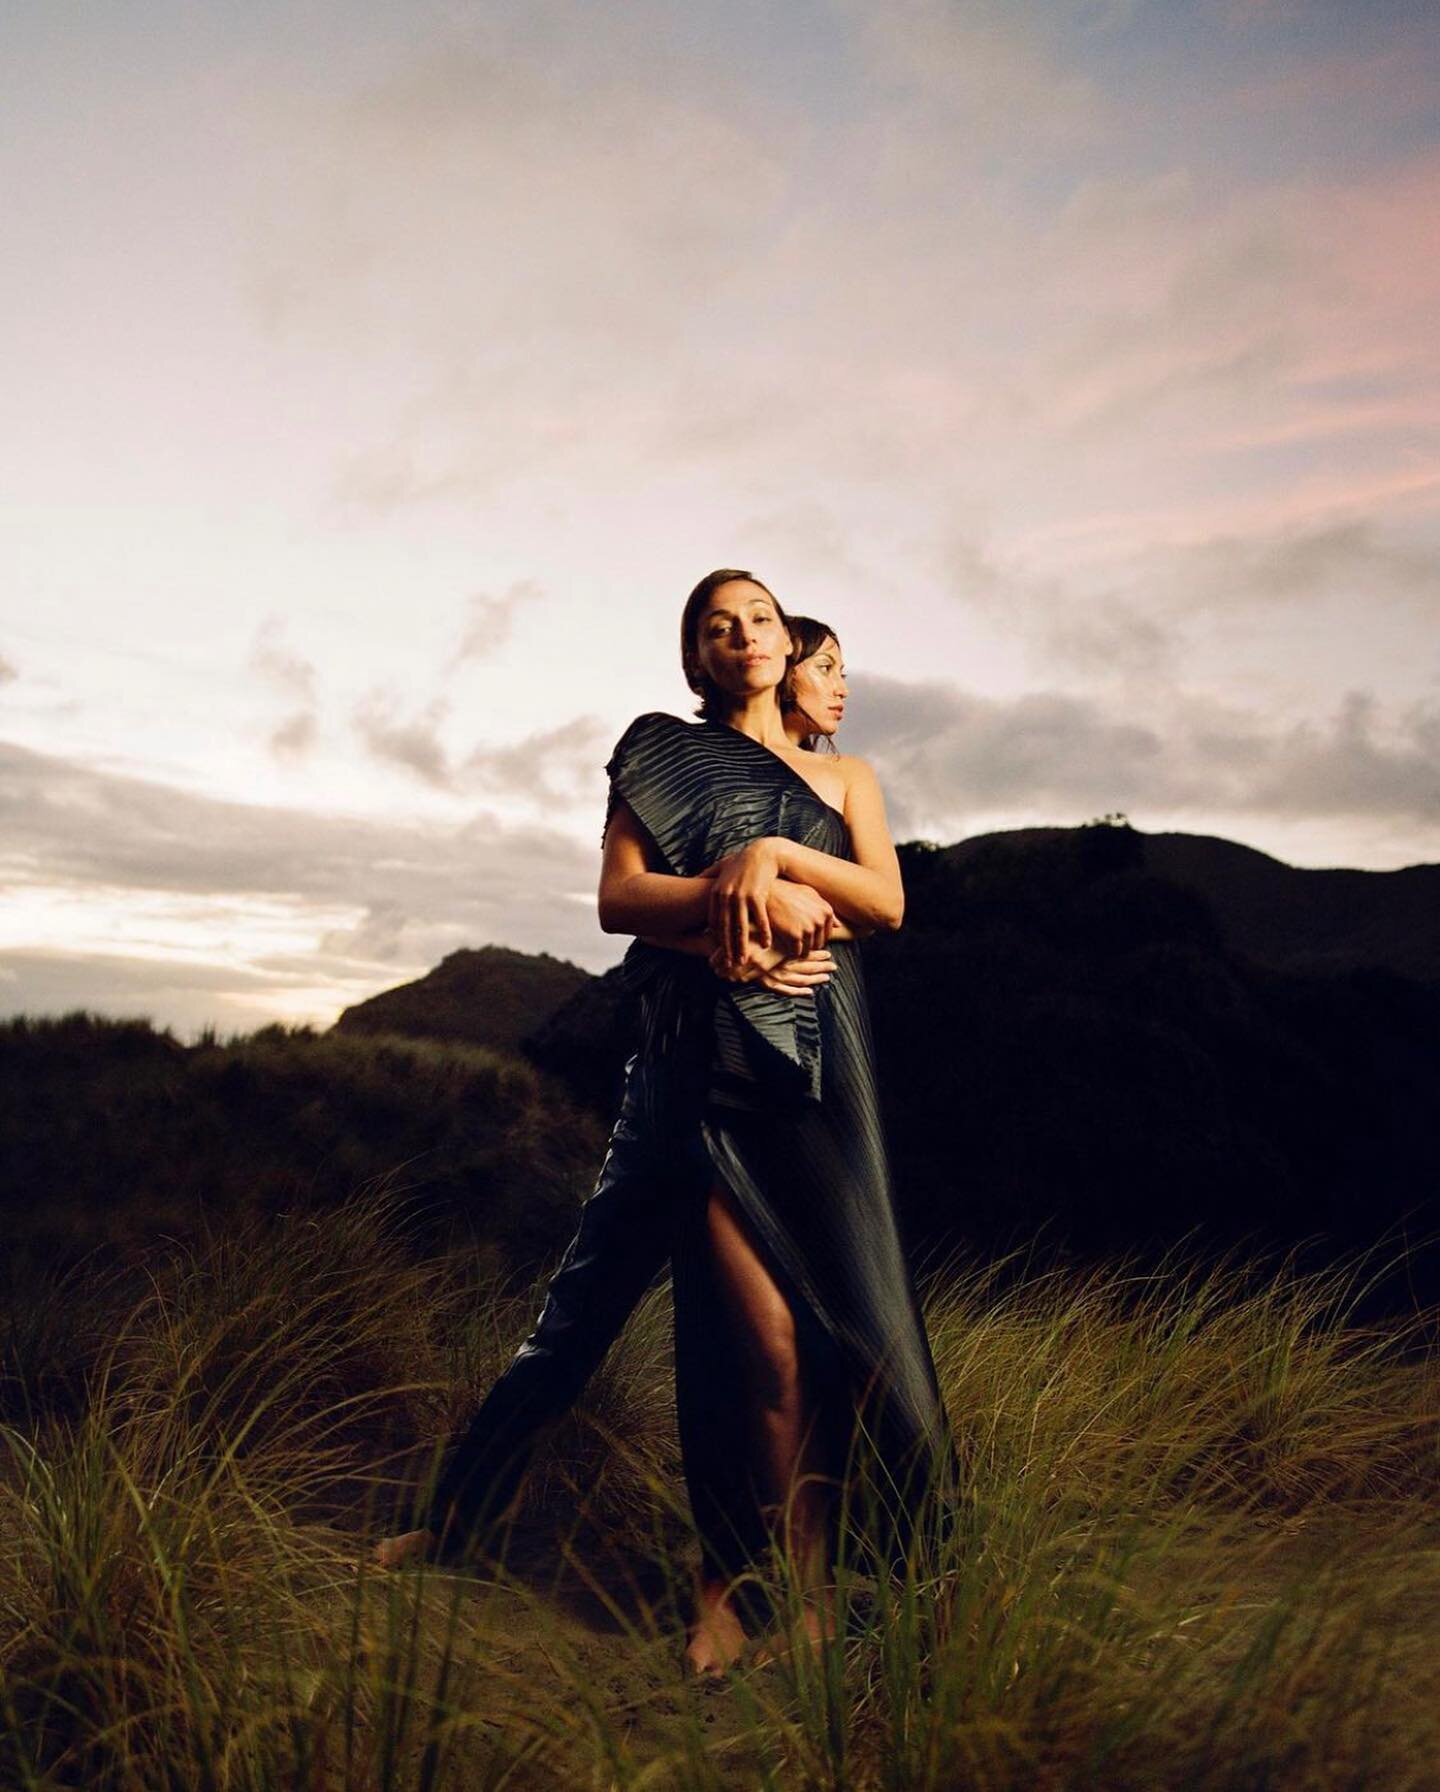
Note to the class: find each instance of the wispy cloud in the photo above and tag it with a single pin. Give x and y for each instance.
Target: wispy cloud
(280, 665)
(1354, 558)
(947, 756)
(490, 620)
(555, 768)
(413, 744)
(550, 769)
(1140, 612)
(575, 239)
(364, 902)
(294, 677)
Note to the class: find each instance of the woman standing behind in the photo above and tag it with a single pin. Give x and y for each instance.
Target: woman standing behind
(813, 694)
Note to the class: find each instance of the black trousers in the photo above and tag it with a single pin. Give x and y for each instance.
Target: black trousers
(656, 1165)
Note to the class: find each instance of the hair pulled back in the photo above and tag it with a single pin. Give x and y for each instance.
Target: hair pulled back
(715, 703)
(809, 635)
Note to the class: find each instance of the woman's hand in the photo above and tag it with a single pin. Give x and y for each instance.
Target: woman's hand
(739, 897)
(774, 968)
(800, 918)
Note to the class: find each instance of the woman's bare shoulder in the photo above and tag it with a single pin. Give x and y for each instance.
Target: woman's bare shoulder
(852, 768)
(861, 786)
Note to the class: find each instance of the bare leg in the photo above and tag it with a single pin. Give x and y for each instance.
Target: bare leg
(619, 1247)
(407, 1546)
(794, 1495)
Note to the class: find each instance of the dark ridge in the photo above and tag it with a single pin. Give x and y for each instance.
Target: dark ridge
(489, 995)
(1297, 916)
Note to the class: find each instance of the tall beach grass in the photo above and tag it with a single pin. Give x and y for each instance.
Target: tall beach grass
(1197, 1543)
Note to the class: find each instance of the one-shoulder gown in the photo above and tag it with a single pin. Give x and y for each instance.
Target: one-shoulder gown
(785, 1093)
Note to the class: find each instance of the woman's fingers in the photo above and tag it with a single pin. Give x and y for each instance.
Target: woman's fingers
(800, 976)
(726, 921)
(785, 983)
(729, 970)
(813, 964)
(761, 917)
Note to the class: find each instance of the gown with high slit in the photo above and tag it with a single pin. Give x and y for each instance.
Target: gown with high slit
(782, 1092)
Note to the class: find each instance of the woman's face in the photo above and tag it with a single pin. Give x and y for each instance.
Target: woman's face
(820, 690)
(740, 640)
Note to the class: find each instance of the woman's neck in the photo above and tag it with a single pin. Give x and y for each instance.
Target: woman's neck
(798, 727)
(759, 716)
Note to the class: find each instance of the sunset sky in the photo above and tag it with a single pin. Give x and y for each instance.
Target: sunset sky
(378, 379)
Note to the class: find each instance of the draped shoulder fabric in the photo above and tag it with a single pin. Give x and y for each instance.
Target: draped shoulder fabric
(791, 1121)
(681, 781)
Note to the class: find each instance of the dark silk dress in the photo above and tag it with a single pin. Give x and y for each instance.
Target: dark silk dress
(782, 1091)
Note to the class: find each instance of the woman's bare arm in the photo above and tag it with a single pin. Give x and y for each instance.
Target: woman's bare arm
(865, 891)
(870, 889)
(635, 899)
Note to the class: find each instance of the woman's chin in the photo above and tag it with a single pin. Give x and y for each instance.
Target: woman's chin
(751, 686)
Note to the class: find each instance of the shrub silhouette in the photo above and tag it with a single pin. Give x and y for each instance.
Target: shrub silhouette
(113, 1132)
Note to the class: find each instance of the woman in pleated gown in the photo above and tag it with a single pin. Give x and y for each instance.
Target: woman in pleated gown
(623, 1239)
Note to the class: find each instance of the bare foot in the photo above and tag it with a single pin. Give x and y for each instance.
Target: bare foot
(717, 1637)
(819, 1623)
(408, 1546)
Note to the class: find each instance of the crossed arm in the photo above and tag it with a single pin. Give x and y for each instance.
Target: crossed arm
(758, 910)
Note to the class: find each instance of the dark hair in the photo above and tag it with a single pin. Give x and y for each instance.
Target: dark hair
(714, 702)
(809, 636)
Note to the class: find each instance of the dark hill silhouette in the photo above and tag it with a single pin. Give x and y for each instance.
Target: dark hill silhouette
(1310, 918)
(1071, 1042)
(1299, 916)
(489, 996)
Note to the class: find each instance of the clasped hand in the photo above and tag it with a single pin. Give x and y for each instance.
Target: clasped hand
(775, 968)
(763, 921)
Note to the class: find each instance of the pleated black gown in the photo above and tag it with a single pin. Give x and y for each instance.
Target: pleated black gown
(782, 1091)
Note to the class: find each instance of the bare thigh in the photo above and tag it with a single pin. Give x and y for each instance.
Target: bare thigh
(764, 1322)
